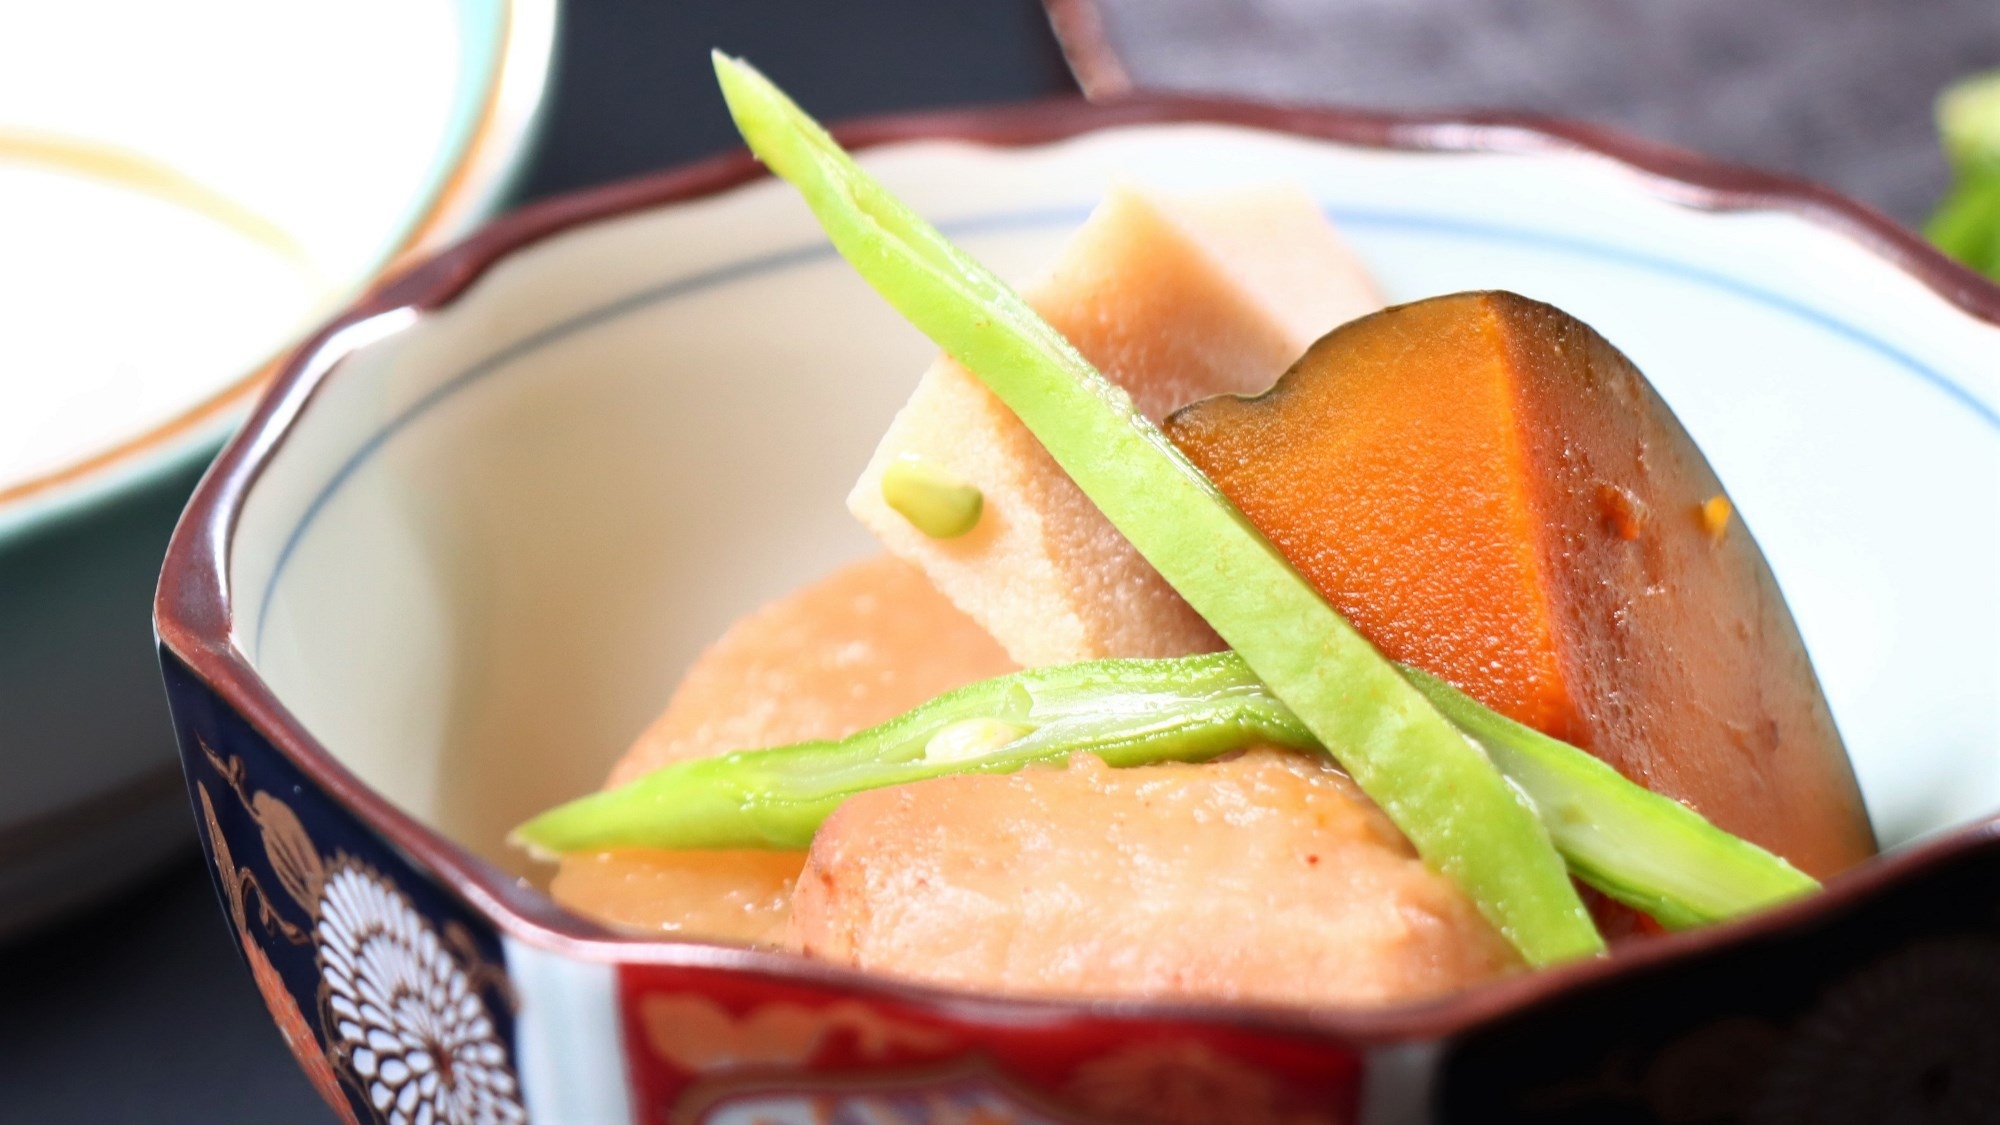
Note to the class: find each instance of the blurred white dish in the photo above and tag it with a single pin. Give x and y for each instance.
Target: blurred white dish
(183, 189)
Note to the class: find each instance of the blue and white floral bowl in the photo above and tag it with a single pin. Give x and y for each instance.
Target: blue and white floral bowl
(460, 554)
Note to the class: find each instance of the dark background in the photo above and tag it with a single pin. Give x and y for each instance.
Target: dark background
(141, 1011)
(1835, 90)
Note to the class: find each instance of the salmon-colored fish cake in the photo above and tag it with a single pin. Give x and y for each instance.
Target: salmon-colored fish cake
(1268, 877)
(858, 647)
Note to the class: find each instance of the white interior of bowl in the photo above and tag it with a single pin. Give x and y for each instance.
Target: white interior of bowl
(495, 538)
(183, 187)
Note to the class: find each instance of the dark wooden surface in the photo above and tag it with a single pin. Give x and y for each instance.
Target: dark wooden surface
(141, 1012)
(1836, 90)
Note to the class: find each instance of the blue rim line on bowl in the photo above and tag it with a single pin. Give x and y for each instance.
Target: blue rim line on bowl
(1060, 217)
(195, 618)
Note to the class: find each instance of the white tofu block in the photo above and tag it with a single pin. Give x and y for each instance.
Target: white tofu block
(1174, 300)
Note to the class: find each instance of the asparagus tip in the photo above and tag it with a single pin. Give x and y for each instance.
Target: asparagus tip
(523, 837)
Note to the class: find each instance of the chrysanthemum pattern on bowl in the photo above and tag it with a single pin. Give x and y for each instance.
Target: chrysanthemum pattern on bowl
(414, 1011)
(407, 1019)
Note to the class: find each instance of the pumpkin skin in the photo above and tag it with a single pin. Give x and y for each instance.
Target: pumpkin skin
(1490, 490)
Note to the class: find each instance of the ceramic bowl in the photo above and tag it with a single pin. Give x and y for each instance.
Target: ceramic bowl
(184, 190)
(461, 553)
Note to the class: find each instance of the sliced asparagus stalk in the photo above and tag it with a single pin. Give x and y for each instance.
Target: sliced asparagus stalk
(1640, 848)
(1649, 852)
(1128, 712)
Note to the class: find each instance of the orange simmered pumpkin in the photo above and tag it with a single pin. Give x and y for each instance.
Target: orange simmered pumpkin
(1489, 490)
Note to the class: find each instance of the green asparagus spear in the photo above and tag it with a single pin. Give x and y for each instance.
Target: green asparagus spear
(1641, 849)
(1128, 712)
(1649, 852)
(1438, 787)
(1966, 224)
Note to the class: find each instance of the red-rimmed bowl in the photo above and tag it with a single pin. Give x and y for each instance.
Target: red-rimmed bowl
(459, 555)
